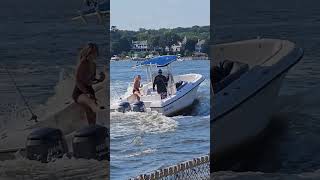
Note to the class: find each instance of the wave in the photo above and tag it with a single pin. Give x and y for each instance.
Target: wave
(17, 115)
(302, 101)
(135, 123)
(21, 168)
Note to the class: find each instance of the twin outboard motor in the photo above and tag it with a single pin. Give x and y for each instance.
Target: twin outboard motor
(45, 145)
(124, 107)
(138, 107)
(91, 143)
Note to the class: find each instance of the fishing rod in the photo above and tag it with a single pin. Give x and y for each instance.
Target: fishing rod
(34, 116)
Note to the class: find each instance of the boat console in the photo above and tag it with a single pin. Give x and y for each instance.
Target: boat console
(225, 73)
(180, 84)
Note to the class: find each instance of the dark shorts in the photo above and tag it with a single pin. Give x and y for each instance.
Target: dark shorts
(77, 92)
(135, 90)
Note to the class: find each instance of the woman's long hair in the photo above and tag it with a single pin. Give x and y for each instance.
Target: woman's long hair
(85, 52)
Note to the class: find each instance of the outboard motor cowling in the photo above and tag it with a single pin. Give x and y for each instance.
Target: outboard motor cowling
(45, 144)
(124, 107)
(138, 107)
(91, 143)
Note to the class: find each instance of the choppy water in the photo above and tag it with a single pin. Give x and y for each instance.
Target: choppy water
(291, 150)
(38, 42)
(143, 142)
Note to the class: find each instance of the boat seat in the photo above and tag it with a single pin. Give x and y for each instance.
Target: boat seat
(180, 84)
(221, 70)
(227, 72)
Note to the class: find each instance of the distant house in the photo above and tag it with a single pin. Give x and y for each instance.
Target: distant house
(167, 49)
(157, 49)
(184, 41)
(199, 45)
(140, 45)
(176, 47)
(114, 28)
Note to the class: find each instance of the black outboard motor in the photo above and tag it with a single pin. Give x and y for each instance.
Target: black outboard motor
(46, 144)
(91, 143)
(124, 107)
(138, 107)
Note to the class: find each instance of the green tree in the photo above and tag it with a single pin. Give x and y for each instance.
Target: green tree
(171, 38)
(155, 41)
(190, 45)
(115, 48)
(121, 39)
(206, 47)
(125, 44)
(114, 28)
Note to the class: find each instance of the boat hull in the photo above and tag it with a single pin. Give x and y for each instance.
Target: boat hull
(245, 122)
(243, 109)
(179, 104)
(172, 105)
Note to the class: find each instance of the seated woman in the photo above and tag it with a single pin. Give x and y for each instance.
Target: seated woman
(136, 86)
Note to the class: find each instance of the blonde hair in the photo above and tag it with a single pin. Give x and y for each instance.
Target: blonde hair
(84, 53)
(87, 51)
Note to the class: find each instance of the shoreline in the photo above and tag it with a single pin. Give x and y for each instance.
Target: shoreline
(187, 58)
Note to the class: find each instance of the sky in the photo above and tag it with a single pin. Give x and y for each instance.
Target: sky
(155, 14)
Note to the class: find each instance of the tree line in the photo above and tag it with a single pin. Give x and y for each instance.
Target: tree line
(121, 39)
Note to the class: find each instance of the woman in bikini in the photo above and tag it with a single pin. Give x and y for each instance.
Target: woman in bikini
(136, 86)
(83, 92)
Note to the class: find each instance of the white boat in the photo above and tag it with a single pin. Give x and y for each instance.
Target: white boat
(135, 58)
(179, 57)
(181, 89)
(115, 58)
(150, 56)
(68, 119)
(245, 85)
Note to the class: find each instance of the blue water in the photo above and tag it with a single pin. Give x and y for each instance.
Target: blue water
(142, 142)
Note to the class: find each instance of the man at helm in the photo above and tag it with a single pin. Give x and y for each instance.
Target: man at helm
(161, 82)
